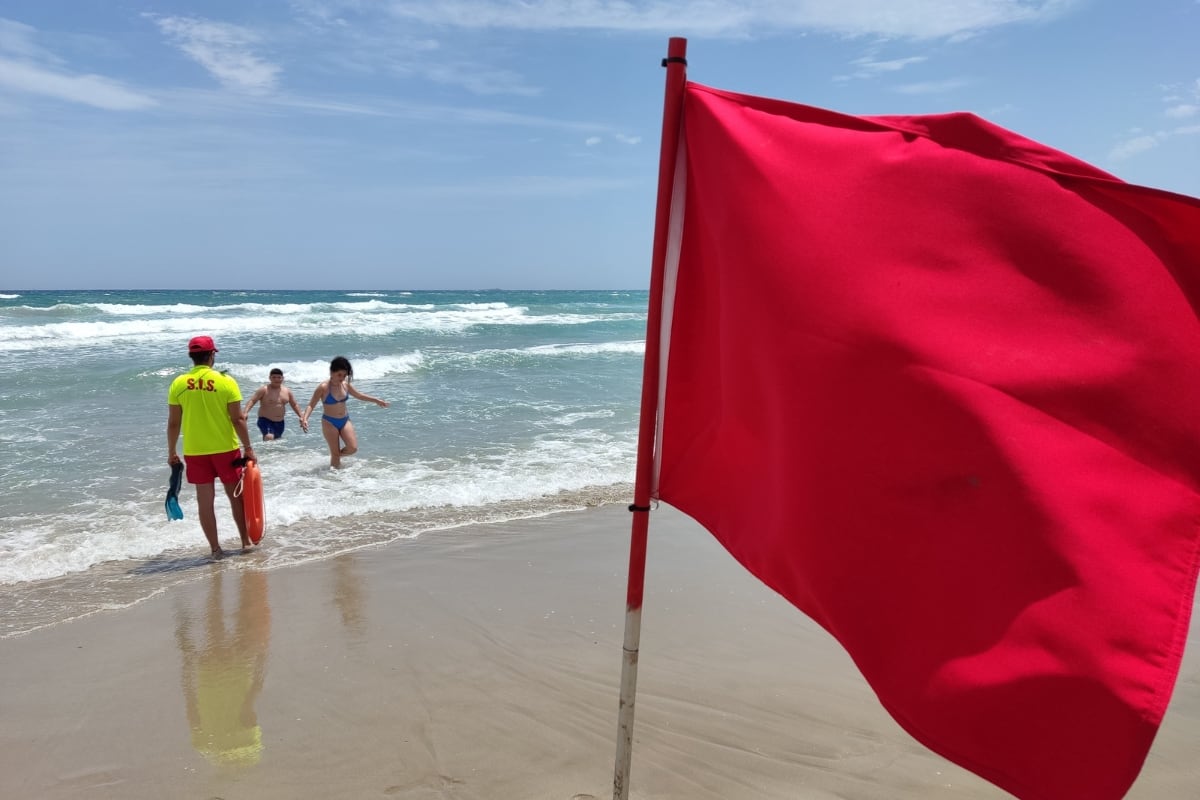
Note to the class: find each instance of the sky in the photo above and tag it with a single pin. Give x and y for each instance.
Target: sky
(510, 144)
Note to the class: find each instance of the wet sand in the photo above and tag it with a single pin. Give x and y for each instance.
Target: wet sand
(477, 663)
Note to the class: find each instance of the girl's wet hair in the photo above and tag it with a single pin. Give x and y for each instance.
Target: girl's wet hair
(339, 363)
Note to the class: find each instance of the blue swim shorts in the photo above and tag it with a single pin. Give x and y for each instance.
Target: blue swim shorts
(270, 426)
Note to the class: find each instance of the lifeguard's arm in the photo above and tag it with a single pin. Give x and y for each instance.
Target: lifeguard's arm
(239, 426)
(364, 397)
(174, 423)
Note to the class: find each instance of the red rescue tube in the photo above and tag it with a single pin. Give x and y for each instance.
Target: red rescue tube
(252, 501)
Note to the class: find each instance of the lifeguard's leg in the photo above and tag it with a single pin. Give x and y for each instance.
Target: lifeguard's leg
(206, 494)
(239, 513)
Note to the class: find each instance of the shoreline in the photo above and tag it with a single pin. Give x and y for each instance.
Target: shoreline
(477, 666)
(118, 584)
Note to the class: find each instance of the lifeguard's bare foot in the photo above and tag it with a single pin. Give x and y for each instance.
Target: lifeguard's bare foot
(217, 555)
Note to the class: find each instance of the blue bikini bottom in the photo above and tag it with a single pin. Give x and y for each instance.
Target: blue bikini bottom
(337, 422)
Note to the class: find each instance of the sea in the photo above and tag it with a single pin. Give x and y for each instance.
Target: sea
(502, 405)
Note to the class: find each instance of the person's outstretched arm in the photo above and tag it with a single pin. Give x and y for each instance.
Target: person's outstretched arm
(364, 397)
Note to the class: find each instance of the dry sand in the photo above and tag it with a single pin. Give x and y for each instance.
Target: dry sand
(476, 663)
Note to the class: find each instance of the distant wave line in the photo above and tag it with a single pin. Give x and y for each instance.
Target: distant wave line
(314, 371)
(82, 333)
(286, 309)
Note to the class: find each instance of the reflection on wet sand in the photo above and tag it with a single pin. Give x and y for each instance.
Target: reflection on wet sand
(224, 663)
(347, 593)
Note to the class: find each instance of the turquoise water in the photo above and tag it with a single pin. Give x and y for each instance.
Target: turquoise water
(503, 405)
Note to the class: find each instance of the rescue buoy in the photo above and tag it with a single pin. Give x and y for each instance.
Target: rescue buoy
(252, 501)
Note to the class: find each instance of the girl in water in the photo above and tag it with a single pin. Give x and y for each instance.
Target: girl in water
(335, 421)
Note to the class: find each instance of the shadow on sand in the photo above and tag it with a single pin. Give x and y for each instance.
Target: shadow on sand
(157, 566)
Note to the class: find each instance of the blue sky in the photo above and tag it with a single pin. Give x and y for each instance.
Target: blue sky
(473, 144)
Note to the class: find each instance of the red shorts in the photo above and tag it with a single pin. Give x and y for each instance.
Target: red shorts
(206, 469)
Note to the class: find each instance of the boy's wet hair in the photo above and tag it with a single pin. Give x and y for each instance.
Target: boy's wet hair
(276, 371)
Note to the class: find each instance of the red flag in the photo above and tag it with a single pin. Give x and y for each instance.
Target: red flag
(939, 386)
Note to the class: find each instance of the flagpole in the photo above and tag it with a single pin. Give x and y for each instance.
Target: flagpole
(676, 65)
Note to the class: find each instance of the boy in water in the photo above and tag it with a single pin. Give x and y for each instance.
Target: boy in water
(273, 400)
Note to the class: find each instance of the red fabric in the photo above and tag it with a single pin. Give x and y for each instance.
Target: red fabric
(939, 386)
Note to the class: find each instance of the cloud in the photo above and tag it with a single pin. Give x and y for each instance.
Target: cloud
(1182, 111)
(92, 90)
(1186, 100)
(873, 67)
(355, 39)
(1134, 146)
(222, 49)
(216, 103)
(932, 87)
(462, 115)
(34, 70)
(995, 112)
(17, 39)
(592, 141)
(626, 139)
(1183, 100)
(476, 79)
(919, 19)
(867, 67)
(529, 186)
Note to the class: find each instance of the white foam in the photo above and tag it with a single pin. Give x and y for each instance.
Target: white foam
(138, 310)
(632, 348)
(302, 490)
(579, 416)
(308, 373)
(370, 319)
(34, 550)
(544, 468)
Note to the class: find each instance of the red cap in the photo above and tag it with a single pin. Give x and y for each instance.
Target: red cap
(202, 344)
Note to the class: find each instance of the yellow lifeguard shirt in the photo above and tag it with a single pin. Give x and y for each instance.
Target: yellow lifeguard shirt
(204, 395)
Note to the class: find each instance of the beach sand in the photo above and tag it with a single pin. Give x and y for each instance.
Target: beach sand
(476, 663)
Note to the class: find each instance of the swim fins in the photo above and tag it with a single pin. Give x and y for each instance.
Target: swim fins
(173, 509)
